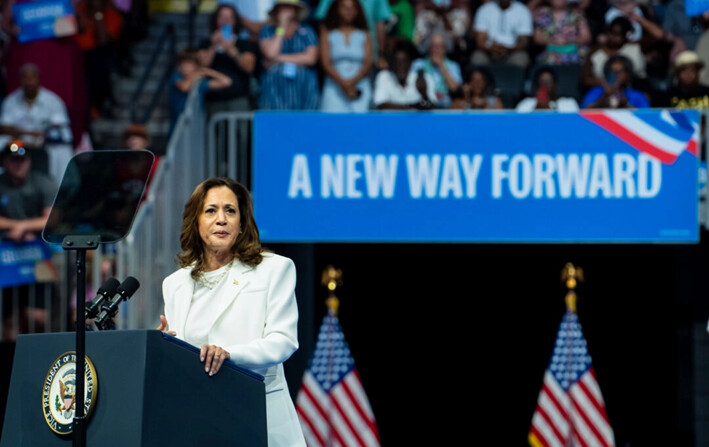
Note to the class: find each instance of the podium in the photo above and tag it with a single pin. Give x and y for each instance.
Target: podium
(151, 391)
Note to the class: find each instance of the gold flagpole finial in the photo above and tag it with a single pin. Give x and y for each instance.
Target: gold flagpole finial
(332, 278)
(571, 275)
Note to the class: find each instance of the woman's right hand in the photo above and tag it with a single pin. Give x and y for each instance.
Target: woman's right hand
(163, 326)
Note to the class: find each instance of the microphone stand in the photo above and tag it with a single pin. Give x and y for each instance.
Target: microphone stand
(80, 244)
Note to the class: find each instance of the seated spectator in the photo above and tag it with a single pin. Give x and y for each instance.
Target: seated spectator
(546, 96)
(615, 43)
(563, 32)
(26, 199)
(32, 113)
(61, 57)
(190, 72)
(451, 15)
(478, 92)
(290, 54)
(230, 52)
(446, 73)
(503, 29)
(686, 92)
(378, 14)
(346, 56)
(399, 88)
(26, 196)
(100, 25)
(616, 93)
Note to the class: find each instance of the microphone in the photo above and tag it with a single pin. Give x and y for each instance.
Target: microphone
(104, 292)
(123, 293)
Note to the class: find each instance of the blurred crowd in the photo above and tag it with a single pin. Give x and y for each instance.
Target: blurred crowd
(53, 88)
(334, 56)
(363, 55)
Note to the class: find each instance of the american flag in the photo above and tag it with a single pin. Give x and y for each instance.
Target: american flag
(332, 406)
(570, 410)
(663, 136)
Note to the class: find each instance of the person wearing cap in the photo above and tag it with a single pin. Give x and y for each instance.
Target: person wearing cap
(686, 92)
(26, 196)
(290, 55)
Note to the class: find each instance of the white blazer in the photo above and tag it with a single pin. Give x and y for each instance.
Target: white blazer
(257, 322)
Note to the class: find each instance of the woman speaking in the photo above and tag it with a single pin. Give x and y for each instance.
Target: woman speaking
(233, 299)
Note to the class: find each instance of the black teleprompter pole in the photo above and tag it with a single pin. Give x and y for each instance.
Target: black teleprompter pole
(80, 244)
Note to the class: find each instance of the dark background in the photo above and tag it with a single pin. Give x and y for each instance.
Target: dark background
(451, 340)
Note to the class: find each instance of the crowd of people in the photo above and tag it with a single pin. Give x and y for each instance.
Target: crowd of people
(339, 56)
(52, 88)
(364, 55)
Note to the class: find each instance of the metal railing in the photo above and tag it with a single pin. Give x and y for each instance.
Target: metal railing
(229, 137)
(148, 252)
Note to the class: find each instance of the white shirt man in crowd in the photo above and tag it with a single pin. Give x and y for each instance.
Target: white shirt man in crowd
(401, 89)
(503, 29)
(39, 118)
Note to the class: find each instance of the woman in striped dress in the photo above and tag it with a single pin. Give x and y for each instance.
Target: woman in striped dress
(290, 54)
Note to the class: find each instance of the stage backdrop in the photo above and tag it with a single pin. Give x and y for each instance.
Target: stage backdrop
(594, 176)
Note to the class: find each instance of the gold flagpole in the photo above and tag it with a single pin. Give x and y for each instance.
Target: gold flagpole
(332, 278)
(571, 275)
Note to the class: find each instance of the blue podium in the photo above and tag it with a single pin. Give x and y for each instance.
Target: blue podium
(149, 390)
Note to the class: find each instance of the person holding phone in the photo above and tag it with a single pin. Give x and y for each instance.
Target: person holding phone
(346, 49)
(616, 92)
(227, 51)
(544, 95)
(290, 55)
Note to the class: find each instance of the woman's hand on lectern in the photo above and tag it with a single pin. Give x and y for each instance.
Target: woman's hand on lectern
(213, 357)
(163, 326)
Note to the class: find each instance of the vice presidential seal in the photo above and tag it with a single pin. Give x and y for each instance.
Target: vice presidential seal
(59, 392)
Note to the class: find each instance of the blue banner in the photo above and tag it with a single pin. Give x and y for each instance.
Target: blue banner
(593, 176)
(695, 7)
(25, 263)
(44, 19)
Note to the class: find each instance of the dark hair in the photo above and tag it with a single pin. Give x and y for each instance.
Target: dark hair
(540, 71)
(333, 20)
(247, 247)
(404, 46)
(487, 74)
(623, 22)
(627, 64)
(215, 15)
(187, 54)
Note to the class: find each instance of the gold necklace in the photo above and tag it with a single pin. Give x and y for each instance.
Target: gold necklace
(210, 284)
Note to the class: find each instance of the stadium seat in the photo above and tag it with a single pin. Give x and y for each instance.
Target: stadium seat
(509, 80)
